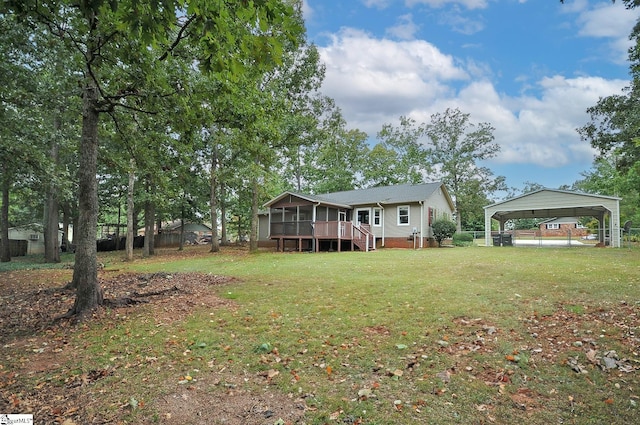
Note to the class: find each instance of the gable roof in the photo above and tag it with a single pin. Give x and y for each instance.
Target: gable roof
(560, 220)
(384, 195)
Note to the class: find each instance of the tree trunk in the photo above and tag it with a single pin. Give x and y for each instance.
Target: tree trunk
(85, 272)
(149, 224)
(51, 213)
(213, 201)
(223, 215)
(253, 238)
(130, 212)
(51, 225)
(5, 252)
(66, 213)
(181, 242)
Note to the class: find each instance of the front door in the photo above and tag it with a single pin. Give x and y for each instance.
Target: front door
(363, 216)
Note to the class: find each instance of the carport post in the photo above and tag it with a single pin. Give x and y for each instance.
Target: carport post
(487, 228)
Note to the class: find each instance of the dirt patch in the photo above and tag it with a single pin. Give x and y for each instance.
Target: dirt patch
(230, 406)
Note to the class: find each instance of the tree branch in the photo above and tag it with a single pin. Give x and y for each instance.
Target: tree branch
(181, 36)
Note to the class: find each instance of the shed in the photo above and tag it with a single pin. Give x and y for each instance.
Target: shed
(549, 203)
(33, 235)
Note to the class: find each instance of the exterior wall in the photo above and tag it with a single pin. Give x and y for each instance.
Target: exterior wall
(407, 243)
(564, 230)
(33, 246)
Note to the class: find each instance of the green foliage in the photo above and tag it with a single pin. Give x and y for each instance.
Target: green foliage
(462, 239)
(399, 157)
(442, 229)
(457, 145)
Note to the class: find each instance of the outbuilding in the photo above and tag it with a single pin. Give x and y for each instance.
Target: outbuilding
(550, 203)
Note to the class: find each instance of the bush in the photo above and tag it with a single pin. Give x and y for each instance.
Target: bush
(443, 229)
(462, 239)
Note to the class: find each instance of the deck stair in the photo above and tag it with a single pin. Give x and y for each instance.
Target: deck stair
(363, 238)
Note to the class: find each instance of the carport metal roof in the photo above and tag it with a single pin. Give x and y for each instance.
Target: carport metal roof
(548, 203)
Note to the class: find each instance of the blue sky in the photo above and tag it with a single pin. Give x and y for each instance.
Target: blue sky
(530, 68)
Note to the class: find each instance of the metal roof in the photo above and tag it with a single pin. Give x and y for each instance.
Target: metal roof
(550, 203)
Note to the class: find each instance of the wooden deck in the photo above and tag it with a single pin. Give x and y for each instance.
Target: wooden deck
(308, 235)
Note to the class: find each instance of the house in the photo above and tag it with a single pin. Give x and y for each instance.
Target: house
(391, 216)
(563, 226)
(192, 233)
(31, 237)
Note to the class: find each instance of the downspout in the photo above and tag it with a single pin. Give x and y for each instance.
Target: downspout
(313, 227)
(421, 224)
(381, 222)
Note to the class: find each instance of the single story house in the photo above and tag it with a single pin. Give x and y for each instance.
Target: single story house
(562, 226)
(391, 216)
(193, 233)
(32, 236)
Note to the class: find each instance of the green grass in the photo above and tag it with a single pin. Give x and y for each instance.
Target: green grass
(35, 262)
(368, 315)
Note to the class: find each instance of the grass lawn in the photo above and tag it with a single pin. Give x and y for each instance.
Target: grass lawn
(438, 336)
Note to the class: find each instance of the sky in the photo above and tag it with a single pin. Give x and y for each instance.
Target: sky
(530, 68)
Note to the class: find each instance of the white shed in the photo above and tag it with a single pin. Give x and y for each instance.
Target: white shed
(33, 234)
(549, 203)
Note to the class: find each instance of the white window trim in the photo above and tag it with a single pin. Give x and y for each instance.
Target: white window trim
(553, 226)
(373, 214)
(408, 215)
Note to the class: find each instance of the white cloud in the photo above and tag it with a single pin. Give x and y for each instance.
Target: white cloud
(469, 4)
(611, 21)
(542, 130)
(375, 81)
(460, 23)
(405, 29)
(307, 11)
(378, 4)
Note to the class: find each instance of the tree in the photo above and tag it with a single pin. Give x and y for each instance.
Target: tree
(456, 146)
(21, 153)
(404, 156)
(606, 178)
(333, 161)
(120, 42)
(442, 229)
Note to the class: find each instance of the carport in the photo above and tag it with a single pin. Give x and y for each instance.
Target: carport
(549, 203)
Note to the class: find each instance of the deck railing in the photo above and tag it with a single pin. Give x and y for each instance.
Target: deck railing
(342, 230)
(333, 229)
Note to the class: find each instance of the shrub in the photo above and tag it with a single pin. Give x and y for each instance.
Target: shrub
(443, 229)
(462, 239)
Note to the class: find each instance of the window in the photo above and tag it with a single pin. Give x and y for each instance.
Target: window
(377, 217)
(34, 237)
(362, 216)
(403, 215)
(553, 226)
